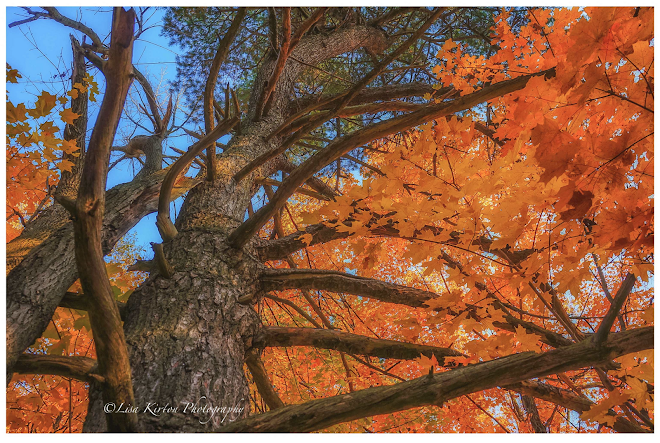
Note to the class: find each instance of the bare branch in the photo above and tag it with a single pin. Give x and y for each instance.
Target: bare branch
(163, 221)
(81, 302)
(264, 385)
(303, 191)
(80, 368)
(333, 281)
(352, 343)
(106, 323)
(209, 90)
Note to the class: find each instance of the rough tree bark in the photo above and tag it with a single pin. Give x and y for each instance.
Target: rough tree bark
(188, 336)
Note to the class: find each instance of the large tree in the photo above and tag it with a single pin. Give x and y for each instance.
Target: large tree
(476, 194)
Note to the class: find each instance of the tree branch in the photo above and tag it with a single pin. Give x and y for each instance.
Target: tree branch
(533, 414)
(163, 221)
(37, 284)
(569, 400)
(265, 100)
(261, 379)
(209, 90)
(441, 387)
(615, 308)
(80, 368)
(352, 343)
(333, 281)
(81, 302)
(106, 323)
(366, 96)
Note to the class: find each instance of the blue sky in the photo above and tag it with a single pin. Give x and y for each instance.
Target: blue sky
(41, 51)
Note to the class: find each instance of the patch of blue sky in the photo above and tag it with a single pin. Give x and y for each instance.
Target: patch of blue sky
(41, 52)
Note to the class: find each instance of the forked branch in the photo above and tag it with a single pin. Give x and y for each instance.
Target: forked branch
(106, 323)
(209, 90)
(163, 221)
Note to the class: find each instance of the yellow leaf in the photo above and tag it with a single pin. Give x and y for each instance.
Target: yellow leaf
(306, 238)
(65, 165)
(43, 106)
(16, 113)
(69, 146)
(309, 218)
(68, 116)
(12, 74)
(79, 87)
(528, 342)
(48, 128)
(73, 93)
(427, 363)
(647, 316)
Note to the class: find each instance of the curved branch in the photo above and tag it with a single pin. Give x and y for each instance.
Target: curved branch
(80, 368)
(342, 100)
(37, 284)
(343, 145)
(366, 96)
(297, 308)
(151, 99)
(441, 387)
(54, 14)
(211, 80)
(163, 221)
(352, 343)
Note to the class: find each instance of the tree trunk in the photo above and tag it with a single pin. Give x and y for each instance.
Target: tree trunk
(187, 335)
(37, 284)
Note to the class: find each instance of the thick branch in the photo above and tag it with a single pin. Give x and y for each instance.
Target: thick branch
(615, 308)
(321, 233)
(104, 316)
(38, 283)
(367, 96)
(261, 379)
(81, 302)
(352, 343)
(341, 101)
(209, 90)
(441, 387)
(80, 368)
(533, 414)
(279, 279)
(265, 101)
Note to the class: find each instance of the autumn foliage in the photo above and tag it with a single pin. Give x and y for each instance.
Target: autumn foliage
(526, 215)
